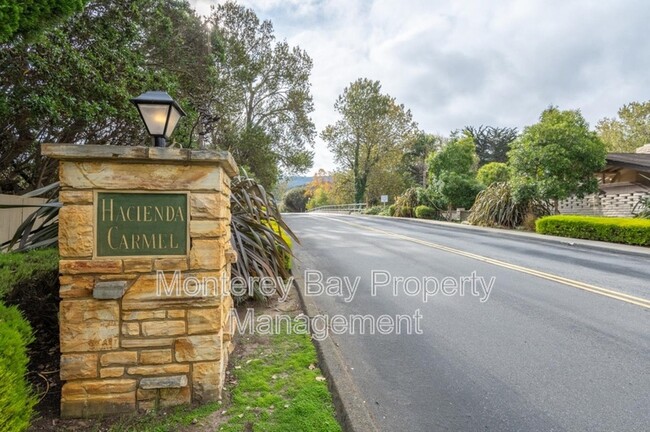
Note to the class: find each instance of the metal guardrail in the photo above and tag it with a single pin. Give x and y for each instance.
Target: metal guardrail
(343, 208)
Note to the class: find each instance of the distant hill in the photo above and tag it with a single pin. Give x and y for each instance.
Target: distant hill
(297, 181)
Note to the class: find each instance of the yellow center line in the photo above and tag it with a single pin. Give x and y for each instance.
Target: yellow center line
(645, 303)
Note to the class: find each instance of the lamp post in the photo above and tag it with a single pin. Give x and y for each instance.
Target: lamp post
(160, 114)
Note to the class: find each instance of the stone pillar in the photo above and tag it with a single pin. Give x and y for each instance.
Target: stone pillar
(144, 239)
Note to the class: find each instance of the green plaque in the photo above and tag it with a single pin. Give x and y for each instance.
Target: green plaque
(141, 224)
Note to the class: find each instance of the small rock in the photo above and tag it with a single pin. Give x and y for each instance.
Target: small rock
(320, 378)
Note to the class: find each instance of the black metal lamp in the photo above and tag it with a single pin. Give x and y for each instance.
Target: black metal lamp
(160, 114)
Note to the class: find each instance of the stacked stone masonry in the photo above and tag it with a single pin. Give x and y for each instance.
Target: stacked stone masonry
(610, 204)
(125, 346)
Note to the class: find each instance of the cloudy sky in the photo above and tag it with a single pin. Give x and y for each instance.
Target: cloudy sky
(470, 62)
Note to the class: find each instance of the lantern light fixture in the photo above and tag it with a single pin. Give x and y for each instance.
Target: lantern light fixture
(160, 114)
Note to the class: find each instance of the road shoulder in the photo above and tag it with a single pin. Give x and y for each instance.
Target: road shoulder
(351, 407)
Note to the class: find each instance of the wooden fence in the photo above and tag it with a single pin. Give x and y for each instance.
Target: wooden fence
(10, 219)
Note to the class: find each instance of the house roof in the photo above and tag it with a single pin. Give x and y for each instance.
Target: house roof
(637, 161)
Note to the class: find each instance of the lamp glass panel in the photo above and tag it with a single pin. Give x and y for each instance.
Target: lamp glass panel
(155, 117)
(174, 115)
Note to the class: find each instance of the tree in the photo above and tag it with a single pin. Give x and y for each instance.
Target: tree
(389, 177)
(255, 153)
(459, 191)
(262, 85)
(415, 157)
(295, 201)
(492, 143)
(319, 198)
(630, 131)
(557, 157)
(29, 17)
(342, 187)
(453, 172)
(320, 180)
(493, 172)
(458, 156)
(318, 190)
(372, 125)
(73, 83)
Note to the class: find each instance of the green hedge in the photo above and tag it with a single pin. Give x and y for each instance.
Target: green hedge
(18, 267)
(425, 212)
(373, 210)
(20, 274)
(615, 230)
(16, 398)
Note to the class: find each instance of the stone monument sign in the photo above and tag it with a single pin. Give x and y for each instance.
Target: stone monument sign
(136, 224)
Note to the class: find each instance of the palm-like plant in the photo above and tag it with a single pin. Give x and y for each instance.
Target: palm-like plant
(41, 228)
(642, 208)
(257, 231)
(496, 206)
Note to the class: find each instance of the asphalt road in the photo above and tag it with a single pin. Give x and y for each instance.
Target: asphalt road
(545, 351)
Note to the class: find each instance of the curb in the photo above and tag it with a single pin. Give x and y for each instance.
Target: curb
(637, 251)
(351, 409)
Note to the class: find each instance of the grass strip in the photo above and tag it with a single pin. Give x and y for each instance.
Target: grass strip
(274, 387)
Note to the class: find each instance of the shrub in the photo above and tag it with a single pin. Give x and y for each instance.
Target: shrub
(373, 210)
(18, 267)
(424, 212)
(29, 283)
(406, 203)
(431, 197)
(391, 210)
(460, 191)
(493, 172)
(616, 230)
(16, 398)
(295, 200)
(529, 222)
(498, 206)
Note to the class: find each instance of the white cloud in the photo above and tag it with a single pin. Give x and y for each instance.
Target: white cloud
(472, 62)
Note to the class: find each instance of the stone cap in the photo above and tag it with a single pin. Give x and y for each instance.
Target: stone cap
(141, 154)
